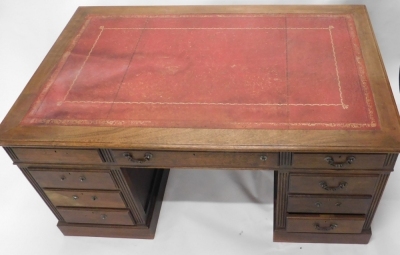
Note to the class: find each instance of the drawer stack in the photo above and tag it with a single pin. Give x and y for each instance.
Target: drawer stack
(329, 198)
(328, 203)
(89, 196)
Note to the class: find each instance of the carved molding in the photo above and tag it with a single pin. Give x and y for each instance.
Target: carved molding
(123, 186)
(106, 155)
(390, 160)
(280, 210)
(11, 153)
(40, 191)
(285, 158)
(375, 200)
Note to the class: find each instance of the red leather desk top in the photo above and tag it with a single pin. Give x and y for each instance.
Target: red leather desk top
(211, 71)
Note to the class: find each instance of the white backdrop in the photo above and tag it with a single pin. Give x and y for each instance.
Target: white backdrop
(197, 216)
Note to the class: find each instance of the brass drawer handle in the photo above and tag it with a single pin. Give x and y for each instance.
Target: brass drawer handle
(331, 161)
(330, 227)
(325, 186)
(147, 157)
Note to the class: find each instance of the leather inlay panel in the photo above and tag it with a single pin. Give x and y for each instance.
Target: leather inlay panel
(270, 71)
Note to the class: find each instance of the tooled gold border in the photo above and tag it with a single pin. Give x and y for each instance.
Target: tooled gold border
(148, 123)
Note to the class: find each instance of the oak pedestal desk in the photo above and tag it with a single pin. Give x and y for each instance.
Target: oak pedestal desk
(126, 93)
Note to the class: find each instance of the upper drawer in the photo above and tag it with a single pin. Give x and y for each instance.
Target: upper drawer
(196, 159)
(332, 184)
(73, 179)
(339, 161)
(71, 156)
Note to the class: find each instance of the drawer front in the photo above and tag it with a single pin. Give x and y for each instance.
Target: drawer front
(332, 184)
(325, 224)
(73, 179)
(71, 156)
(196, 159)
(97, 216)
(79, 198)
(328, 204)
(339, 161)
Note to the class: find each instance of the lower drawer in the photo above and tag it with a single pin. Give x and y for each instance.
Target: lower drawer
(325, 223)
(97, 216)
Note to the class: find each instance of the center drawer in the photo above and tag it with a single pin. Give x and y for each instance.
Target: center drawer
(171, 159)
(328, 204)
(80, 198)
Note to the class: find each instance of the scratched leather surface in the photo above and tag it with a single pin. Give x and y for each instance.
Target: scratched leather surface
(211, 71)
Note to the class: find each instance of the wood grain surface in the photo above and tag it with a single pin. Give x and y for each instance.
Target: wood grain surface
(386, 139)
